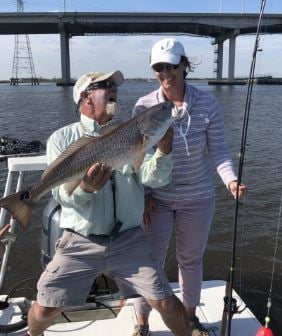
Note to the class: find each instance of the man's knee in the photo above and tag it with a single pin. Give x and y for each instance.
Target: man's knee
(44, 314)
(169, 305)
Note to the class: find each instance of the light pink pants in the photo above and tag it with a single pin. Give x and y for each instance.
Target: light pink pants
(192, 221)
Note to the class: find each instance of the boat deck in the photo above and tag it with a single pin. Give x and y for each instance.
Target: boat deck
(209, 312)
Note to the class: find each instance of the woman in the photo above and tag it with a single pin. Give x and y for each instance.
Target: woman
(188, 201)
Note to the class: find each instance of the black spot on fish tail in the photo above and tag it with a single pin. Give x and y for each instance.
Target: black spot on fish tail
(24, 195)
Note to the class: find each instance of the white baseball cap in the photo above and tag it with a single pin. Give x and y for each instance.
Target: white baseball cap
(167, 50)
(95, 77)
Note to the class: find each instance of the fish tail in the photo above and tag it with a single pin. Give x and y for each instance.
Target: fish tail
(20, 206)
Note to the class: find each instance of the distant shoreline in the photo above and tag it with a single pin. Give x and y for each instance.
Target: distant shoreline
(45, 80)
(210, 81)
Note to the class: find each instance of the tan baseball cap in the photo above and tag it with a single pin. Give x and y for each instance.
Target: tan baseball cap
(95, 77)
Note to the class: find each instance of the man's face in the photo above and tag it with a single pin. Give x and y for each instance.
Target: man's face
(101, 104)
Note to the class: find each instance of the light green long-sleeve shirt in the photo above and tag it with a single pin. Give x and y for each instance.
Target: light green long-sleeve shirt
(93, 213)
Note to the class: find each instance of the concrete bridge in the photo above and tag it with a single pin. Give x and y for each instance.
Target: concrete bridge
(218, 26)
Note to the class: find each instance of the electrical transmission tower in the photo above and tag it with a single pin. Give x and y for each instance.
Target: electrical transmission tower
(23, 66)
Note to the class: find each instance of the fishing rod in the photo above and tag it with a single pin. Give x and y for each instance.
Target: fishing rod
(230, 303)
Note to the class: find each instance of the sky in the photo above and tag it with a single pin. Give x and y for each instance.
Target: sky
(130, 53)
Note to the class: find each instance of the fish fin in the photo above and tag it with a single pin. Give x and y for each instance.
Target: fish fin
(141, 150)
(146, 139)
(137, 161)
(20, 207)
(71, 186)
(108, 129)
(70, 150)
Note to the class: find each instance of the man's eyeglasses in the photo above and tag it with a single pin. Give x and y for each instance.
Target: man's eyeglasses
(159, 67)
(106, 84)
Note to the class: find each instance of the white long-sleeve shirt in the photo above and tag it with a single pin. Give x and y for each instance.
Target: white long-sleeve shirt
(199, 145)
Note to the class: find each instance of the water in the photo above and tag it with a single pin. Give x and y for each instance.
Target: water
(33, 113)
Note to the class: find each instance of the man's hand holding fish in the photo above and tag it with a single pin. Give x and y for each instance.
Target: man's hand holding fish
(96, 177)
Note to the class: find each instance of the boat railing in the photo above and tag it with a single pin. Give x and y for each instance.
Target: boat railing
(17, 167)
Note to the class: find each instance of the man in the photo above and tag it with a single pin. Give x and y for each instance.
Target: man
(102, 233)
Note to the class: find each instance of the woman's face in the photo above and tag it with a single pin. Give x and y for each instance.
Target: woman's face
(169, 75)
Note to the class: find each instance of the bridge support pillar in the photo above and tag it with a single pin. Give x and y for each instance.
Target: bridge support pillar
(65, 57)
(231, 63)
(219, 60)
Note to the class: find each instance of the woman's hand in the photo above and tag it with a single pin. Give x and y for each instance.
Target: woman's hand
(232, 187)
(165, 144)
(96, 177)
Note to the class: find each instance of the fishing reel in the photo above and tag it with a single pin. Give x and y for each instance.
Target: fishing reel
(232, 306)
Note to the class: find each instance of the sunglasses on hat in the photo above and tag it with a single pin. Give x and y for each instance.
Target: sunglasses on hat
(105, 84)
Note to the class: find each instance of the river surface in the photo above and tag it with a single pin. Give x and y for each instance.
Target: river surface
(33, 113)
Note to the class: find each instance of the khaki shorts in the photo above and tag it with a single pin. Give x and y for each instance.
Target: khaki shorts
(68, 278)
